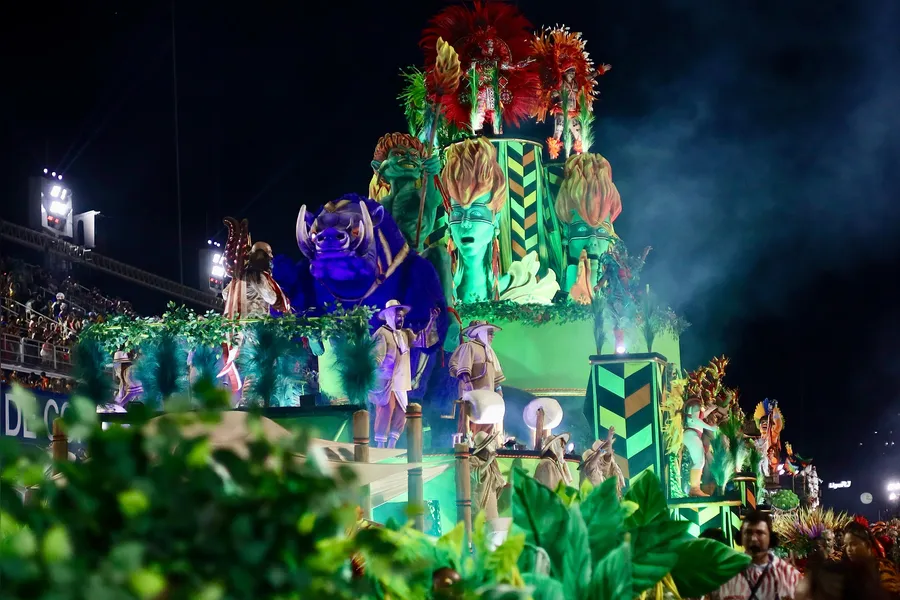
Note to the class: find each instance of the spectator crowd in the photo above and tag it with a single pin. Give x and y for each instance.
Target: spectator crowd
(41, 317)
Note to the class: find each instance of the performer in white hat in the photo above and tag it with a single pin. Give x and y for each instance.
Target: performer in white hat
(393, 343)
(129, 388)
(477, 367)
(553, 468)
(599, 463)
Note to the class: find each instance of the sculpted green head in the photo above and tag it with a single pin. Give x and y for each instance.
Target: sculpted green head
(399, 156)
(477, 189)
(581, 236)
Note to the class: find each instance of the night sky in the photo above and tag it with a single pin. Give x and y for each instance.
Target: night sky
(756, 148)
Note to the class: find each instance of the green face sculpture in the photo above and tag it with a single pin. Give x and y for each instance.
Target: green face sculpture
(473, 228)
(581, 236)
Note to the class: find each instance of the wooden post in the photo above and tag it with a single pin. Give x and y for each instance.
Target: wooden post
(59, 446)
(416, 486)
(539, 430)
(361, 454)
(463, 490)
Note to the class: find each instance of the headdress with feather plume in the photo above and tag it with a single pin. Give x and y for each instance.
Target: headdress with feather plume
(237, 247)
(557, 50)
(468, 29)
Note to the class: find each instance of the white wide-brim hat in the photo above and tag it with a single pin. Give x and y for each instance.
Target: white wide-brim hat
(392, 306)
(475, 327)
(548, 443)
(482, 440)
(553, 413)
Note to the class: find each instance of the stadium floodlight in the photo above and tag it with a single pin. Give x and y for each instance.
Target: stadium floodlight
(60, 209)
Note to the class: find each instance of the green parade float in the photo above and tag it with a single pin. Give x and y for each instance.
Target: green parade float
(619, 459)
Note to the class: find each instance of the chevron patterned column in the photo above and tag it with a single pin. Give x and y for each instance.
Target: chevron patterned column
(521, 164)
(624, 392)
(703, 516)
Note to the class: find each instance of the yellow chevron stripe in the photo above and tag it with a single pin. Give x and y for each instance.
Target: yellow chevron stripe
(517, 229)
(515, 167)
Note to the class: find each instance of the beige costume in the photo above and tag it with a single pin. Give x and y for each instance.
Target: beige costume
(487, 479)
(553, 468)
(599, 463)
(476, 366)
(394, 378)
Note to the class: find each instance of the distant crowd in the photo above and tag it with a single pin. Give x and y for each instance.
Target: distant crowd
(41, 317)
(37, 381)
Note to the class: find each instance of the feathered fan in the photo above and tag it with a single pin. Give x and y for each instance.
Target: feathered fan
(162, 368)
(88, 364)
(267, 360)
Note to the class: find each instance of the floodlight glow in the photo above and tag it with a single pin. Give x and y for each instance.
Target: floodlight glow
(60, 177)
(59, 208)
(63, 194)
(893, 486)
(56, 191)
(218, 271)
(53, 174)
(45, 171)
(209, 242)
(217, 259)
(894, 496)
(620, 349)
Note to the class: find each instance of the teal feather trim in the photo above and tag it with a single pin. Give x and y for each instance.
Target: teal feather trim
(205, 361)
(355, 363)
(89, 370)
(721, 467)
(268, 363)
(162, 368)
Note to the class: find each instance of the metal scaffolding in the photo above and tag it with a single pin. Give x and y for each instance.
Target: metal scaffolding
(72, 252)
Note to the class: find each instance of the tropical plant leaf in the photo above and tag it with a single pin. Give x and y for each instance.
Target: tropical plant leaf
(654, 551)
(357, 366)
(612, 577)
(541, 515)
(502, 561)
(545, 587)
(604, 517)
(704, 565)
(646, 491)
(577, 556)
(89, 371)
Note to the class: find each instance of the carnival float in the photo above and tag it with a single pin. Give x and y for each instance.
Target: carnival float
(478, 288)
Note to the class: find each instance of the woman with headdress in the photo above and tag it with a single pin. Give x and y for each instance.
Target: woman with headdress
(861, 547)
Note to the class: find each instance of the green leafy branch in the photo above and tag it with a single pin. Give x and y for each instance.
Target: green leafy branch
(211, 329)
(533, 315)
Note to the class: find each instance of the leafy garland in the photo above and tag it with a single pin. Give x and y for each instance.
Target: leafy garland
(211, 329)
(533, 315)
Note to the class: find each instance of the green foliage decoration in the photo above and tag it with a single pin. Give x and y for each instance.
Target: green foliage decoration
(533, 315)
(722, 465)
(268, 361)
(157, 515)
(357, 366)
(785, 500)
(162, 368)
(212, 329)
(602, 548)
(89, 371)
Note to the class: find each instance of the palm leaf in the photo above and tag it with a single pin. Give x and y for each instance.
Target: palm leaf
(355, 364)
(722, 464)
(267, 361)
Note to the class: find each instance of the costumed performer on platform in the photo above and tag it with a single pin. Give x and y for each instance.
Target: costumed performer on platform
(599, 463)
(393, 343)
(477, 367)
(553, 468)
(492, 40)
(695, 415)
(488, 479)
(251, 292)
(129, 388)
(568, 77)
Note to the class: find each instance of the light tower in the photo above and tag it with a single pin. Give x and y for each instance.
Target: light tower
(51, 209)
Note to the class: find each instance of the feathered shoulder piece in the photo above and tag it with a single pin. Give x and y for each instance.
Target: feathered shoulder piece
(556, 50)
(237, 247)
(768, 409)
(468, 29)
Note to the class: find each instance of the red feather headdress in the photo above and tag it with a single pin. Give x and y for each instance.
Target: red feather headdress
(556, 50)
(237, 247)
(468, 29)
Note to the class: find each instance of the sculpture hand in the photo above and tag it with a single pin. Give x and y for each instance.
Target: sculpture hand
(432, 166)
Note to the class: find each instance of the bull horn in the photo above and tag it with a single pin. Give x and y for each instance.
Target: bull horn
(368, 228)
(302, 231)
